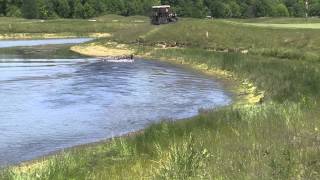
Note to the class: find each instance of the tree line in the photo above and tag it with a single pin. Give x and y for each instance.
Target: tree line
(45, 9)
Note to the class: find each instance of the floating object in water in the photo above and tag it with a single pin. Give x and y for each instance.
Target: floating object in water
(120, 59)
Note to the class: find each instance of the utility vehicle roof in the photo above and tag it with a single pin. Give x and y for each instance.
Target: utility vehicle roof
(162, 6)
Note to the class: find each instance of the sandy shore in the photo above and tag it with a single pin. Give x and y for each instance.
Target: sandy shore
(97, 50)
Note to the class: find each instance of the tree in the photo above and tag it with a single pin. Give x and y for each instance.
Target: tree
(13, 11)
(295, 7)
(220, 10)
(88, 11)
(63, 9)
(235, 9)
(98, 6)
(115, 6)
(46, 9)
(315, 8)
(265, 8)
(30, 9)
(198, 10)
(188, 8)
(129, 8)
(3, 7)
(78, 9)
(281, 10)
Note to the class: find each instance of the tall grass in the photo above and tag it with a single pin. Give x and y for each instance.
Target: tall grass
(282, 80)
(109, 24)
(258, 142)
(182, 161)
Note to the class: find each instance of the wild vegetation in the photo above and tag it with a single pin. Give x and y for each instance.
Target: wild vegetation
(277, 138)
(109, 24)
(46, 9)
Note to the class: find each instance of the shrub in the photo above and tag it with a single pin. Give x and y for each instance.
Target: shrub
(281, 10)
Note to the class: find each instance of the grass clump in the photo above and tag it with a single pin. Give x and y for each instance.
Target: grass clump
(182, 161)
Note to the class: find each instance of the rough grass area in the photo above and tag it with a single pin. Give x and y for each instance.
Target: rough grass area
(109, 24)
(278, 138)
(225, 36)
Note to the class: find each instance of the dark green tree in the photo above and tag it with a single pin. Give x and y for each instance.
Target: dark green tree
(220, 10)
(13, 11)
(315, 8)
(63, 9)
(3, 7)
(296, 8)
(30, 9)
(78, 9)
(98, 6)
(235, 9)
(88, 10)
(187, 8)
(46, 9)
(265, 8)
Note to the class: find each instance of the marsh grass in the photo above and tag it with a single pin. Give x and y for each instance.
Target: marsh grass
(282, 80)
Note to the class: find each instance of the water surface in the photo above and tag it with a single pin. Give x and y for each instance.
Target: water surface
(50, 104)
(20, 43)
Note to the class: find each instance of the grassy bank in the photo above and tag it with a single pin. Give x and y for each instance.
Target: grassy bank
(11, 28)
(277, 138)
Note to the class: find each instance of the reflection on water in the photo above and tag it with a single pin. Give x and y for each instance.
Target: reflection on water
(47, 105)
(17, 43)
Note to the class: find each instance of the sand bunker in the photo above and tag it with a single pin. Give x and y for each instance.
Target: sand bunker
(101, 51)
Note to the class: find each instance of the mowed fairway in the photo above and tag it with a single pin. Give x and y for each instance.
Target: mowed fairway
(291, 26)
(291, 23)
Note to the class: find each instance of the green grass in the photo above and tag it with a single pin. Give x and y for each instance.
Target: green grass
(278, 138)
(233, 37)
(109, 24)
(302, 25)
(267, 20)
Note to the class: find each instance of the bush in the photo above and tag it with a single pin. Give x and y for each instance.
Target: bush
(281, 10)
(13, 11)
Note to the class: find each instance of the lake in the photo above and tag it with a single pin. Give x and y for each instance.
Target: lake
(51, 99)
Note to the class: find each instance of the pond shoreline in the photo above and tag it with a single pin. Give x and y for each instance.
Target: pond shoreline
(230, 83)
(35, 162)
